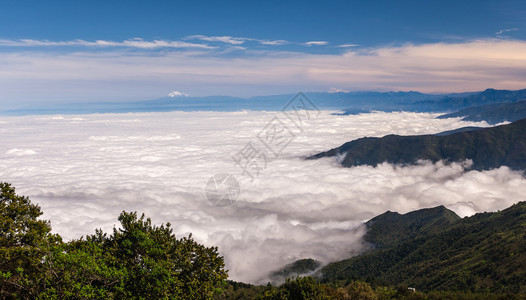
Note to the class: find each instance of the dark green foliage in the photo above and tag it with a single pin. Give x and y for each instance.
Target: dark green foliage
(483, 253)
(160, 266)
(309, 288)
(139, 260)
(492, 113)
(240, 291)
(25, 243)
(299, 267)
(390, 228)
(469, 258)
(299, 289)
(488, 148)
(461, 129)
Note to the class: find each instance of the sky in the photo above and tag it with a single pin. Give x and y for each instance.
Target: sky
(84, 51)
(83, 170)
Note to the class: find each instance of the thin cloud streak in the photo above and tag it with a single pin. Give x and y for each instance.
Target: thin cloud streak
(502, 31)
(347, 45)
(236, 40)
(223, 39)
(317, 43)
(133, 43)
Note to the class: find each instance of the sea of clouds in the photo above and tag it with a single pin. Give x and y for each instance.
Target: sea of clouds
(84, 170)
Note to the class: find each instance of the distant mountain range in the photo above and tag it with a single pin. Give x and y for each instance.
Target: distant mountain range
(440, 103)
(489, 96)
(488, 148)
(491, 113)
(349, 102)
(364, 101)
(434, 249)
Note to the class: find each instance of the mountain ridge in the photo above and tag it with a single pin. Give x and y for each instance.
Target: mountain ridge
(488, 148)
(348, 102)
(491, 113)
(482, 253)
(383, 230)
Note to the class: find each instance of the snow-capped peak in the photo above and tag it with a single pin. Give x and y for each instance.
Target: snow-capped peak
(174, 94)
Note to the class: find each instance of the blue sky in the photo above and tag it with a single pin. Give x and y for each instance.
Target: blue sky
(68, 51)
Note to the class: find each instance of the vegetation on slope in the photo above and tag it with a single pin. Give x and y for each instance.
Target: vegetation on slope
(473, 258)
(482, 253)
(309, 288)
(390, 228)
(297, 268)
(488, 148)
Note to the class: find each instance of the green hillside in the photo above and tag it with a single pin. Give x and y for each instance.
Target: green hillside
(488, 148)
(391, 227)
(482, 253)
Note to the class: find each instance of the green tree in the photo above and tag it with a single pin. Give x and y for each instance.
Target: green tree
(161, 266)
(300, 288)
(25, 242)
(138, 261)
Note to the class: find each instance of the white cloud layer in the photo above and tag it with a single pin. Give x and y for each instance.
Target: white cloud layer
(105, 75)
(84, 170)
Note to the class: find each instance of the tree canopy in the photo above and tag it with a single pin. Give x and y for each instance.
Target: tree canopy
(138, 260)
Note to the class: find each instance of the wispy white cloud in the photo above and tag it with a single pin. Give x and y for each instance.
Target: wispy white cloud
(236, 40)
(317, 43)
(347, 45)
(503, 31)
(133, 43)
(222, 39)
(273, 42)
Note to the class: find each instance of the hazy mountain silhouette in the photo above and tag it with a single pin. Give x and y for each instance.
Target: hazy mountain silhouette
(491, 113)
